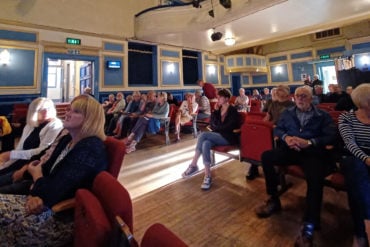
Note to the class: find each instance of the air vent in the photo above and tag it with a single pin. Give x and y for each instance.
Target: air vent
(327, 33)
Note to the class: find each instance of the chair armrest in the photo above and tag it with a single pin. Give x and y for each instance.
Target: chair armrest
(126, 231)
(64, 205)
(367, 228)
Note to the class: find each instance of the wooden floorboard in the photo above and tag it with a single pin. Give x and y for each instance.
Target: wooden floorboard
(222, 216)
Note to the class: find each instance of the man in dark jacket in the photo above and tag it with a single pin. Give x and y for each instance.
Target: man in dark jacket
(304, 131)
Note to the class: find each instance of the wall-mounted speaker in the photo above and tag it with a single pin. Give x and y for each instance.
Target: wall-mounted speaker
(226, 3)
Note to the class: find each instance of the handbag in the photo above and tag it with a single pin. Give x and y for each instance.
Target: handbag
(5, 128)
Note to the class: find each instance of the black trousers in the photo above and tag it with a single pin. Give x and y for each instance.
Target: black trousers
(315, 164)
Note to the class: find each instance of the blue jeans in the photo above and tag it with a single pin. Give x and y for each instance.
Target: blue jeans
(202, 115)
(357, 178)
(140, 128)
(206, 141)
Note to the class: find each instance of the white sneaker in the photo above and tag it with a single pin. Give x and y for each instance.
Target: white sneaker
(206, 185)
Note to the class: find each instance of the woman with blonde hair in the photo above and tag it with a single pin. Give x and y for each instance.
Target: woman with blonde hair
(76, 160)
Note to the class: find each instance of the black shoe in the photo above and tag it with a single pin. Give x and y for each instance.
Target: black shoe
(305, 237)
(270, 207)
(252, 173)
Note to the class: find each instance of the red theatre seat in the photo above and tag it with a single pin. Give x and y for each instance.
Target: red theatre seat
(116, 151)
(226, 149)
(114, 198)
(91, 226)
(256, 137)
(96, 212)
(255, 105)
(157, 235)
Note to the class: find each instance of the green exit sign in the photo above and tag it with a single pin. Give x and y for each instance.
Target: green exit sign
(73, 41)
(327, 56)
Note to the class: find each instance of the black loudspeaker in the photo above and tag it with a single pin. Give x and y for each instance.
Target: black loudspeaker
(226, 3)
(216, 36)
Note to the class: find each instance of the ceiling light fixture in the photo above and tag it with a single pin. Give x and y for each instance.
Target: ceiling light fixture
(230, 41)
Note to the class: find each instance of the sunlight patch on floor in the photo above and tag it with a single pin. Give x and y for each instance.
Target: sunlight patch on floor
(145, 171)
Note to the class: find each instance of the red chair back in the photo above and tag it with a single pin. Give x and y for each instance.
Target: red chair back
(114, 198)
(157, 235)
(212, 105)
(256, 137)
(335, 115)
(172, 113)
(255, 106)
(116, 151)
(326, 106)
(256, 115)
(91, 226)
(232, 99)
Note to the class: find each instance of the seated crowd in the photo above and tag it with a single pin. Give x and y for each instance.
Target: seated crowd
(53, 159)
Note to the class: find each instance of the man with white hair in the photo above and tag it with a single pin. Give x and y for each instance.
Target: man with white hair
(303, 132)
(316, 81)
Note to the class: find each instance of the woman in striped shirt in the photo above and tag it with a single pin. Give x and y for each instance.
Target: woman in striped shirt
(354, 128)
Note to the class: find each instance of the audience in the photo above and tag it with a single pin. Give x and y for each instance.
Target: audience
(184, 113)
(88, 91)
(345, 103)
(40, 131)
(113, 113)
(172, 100)
(319, 96)
(204, 107)
(224, 119)
(150, 120)
(74, 163)
(334, 94)
(256, 95)
(303, 131)
(269, 102)
(316, 81)
(354, 128)
(209, 90)
(108, 103)
(266, 95)
(132, 110)
(242, 101)
(273, 113)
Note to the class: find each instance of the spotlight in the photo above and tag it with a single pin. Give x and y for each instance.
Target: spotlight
(211, 13)
(216, 36)
(196, 4)
(226, 3)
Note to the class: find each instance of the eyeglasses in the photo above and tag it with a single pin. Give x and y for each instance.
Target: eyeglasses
(303, 96)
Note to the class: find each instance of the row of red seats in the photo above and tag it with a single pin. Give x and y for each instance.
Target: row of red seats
(256, 136)
(103, 216)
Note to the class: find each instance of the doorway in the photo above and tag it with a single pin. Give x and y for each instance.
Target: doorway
(236, 85)
(68, 78)
(327, 73)
(329, 76)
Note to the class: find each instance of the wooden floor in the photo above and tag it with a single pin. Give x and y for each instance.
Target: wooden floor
(222, 216)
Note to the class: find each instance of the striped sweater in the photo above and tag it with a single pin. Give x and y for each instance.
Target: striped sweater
(356, 135)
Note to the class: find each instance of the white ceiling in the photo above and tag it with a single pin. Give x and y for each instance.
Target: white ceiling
(250, 22)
